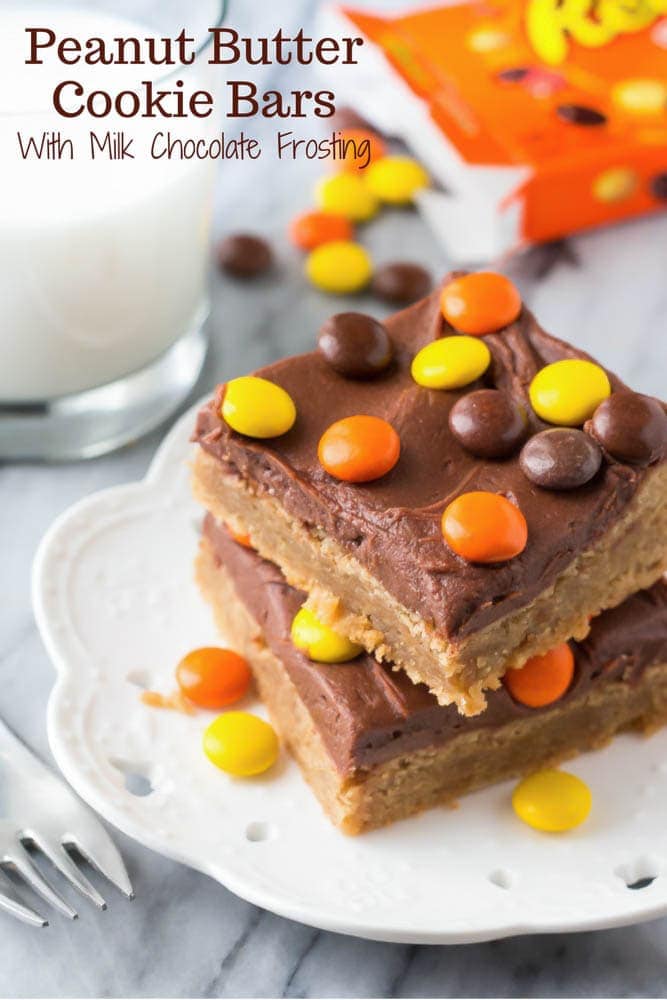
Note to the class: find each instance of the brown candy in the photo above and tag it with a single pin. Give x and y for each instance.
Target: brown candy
(630, 427)
(580, 114)
(488, 423)
(355, 345)
(560, 458)
(401, 283)
(659, 186)
(513, 75)
(244, 255)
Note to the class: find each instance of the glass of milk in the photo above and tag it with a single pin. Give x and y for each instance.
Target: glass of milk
(104, 257)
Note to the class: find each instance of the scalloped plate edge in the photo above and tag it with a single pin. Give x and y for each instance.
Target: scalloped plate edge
(276, 903)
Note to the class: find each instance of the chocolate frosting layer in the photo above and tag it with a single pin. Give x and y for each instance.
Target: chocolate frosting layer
(365, 712)
(392, 525)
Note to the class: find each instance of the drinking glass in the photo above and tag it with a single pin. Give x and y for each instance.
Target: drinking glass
(104, 260)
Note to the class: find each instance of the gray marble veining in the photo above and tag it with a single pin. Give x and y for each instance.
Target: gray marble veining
(184, 935)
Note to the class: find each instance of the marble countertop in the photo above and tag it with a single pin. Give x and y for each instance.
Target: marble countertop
(184, 935)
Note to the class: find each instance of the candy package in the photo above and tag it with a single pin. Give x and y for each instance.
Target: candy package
(536, 118)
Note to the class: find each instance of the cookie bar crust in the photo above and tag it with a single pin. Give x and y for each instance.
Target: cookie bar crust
(372, 556)
(343, 594)
(375, 748)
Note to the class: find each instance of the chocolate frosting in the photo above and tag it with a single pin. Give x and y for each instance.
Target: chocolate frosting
(392, 525)
(365, 713)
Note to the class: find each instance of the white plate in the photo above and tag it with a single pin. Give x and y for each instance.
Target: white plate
(117, 607)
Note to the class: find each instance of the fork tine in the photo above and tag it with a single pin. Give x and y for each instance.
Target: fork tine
(21, 912)
(105, 858)
(19, 859)
(61, 860)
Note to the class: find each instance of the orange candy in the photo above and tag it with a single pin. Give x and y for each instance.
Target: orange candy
(359, 449)
(375, 151)
(212, 678)
(239, 538)
(484, 527)
(480, 303)
(312, 229)
(543, 679)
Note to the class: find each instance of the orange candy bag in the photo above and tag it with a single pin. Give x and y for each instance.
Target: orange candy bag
(541, 117)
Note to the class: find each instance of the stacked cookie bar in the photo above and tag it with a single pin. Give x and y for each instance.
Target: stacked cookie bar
(469, 518)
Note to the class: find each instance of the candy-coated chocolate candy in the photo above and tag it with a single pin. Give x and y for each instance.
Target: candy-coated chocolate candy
(401, 283)
(552, 801)
(369, 148)
(480, 303)
(257, 408)
(341, 267)
(241, 744)
(484, 527)
(488, 423)
(244, 255)
(514, 74)
(614, 184)
(359, 449)
(631, 427)
(312, 229)
(561, 458)
(450, 362)
(568, 392)
(355, 345)
(640, 96)
(347, 194)
(396, 179)
(658, 186)
(543, 83)
(580, 114)
(212, 677)
(542, 679)
(487, 39)
(319, 641)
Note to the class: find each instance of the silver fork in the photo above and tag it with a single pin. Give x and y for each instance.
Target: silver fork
(38, 810)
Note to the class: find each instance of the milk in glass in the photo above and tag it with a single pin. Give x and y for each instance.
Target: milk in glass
(102, 263)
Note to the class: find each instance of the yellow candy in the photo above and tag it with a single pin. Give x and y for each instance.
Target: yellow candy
(451, 362)
(641, 97)
(396, 179)
(341, 267)
(348, 195)
(487, 39)
(319, 641)
(568, 392)
(257, 408)
(614, 184)
(552, 801)
(241, 744)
